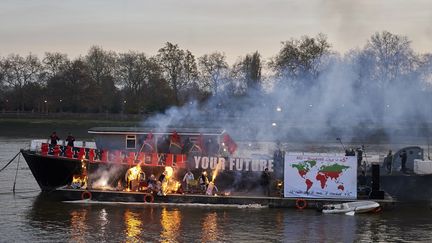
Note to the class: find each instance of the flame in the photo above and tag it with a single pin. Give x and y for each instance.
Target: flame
(216, 171)
(133, 173)
(170, 185)
(79, 181)
(132, 176)
(169, 172)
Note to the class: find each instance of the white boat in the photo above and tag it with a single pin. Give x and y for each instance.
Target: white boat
(351, 207)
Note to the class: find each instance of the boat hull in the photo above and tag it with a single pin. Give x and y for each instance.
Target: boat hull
(407, 188)
(357, 207)
(51, 172)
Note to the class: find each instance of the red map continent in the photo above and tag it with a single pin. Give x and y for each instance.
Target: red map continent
(309, 184)
(302, 173)
(331, 175)
(323, 176)
(322, 179)
(341, 187)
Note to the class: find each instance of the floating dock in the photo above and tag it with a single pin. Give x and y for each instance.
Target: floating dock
(142, 197)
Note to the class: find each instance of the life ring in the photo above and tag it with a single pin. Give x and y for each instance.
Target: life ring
(377, 210)
(86, 195)
(148, 198)
(301, 204)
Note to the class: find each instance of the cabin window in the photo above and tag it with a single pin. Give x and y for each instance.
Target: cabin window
(130, 142)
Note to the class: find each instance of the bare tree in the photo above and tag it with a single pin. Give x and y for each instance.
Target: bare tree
(54, 63)
(300, 60)
(19, 72)
(246, 73)
(75, 87)
(101, 66)
(389, 57)
(136, 72)
(178, 66)
(213, 70)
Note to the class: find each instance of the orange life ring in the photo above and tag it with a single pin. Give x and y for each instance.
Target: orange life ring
(301, 204)
(148, 198)
(86, 195)
(377, 210)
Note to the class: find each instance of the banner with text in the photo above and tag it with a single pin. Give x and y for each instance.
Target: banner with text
(320, 176)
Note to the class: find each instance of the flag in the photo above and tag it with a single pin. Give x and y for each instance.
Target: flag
(198, 146)
(175, 146)
(149, 143)
(231, 145)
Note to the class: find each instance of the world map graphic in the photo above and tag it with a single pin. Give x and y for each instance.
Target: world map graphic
(322, 174)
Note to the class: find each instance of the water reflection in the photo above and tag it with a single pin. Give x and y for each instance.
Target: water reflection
(78, 225)
(133, 225)
(312, 227)
(59, 222)
(170, 222)
(103, 218)
(209, 227)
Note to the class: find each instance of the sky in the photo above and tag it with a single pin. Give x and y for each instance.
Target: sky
(235, 27)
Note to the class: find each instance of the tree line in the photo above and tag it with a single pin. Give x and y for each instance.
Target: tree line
(134, 82)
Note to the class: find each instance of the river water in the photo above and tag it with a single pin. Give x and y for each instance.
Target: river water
(25, 216)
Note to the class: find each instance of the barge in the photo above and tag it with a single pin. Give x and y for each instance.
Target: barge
(148, 165)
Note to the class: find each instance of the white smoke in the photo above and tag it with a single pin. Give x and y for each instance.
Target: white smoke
(334, 105)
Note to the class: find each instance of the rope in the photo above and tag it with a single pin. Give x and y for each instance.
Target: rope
(16, 175)
(9, 162)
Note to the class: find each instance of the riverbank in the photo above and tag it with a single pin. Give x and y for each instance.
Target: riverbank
(31, 127)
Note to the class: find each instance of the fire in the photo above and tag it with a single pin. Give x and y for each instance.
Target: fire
(133, 173)
(79, 181)
(169, 172)
(132, 177)
(170, 185)
(216, 171)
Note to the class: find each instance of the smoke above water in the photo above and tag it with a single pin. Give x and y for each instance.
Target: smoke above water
(345, 101)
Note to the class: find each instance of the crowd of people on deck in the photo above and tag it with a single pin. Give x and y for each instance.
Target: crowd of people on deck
(189, 184)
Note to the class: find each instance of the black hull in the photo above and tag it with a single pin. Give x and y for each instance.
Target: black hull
(408, 188)
(51, 172)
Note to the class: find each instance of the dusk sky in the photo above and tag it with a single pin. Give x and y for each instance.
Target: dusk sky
(234, 27)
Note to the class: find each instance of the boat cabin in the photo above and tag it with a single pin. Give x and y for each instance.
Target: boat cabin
(208, 141)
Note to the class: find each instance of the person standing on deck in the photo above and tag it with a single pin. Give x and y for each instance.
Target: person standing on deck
(388, 161)
(265, 182)
(187, 179)
(203, 181)
(359, 156)
(404, 158)
(54, 138)
(70, 140)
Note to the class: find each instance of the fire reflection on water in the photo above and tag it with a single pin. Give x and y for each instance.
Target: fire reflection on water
(133, 226)
(170, 221)
(78, 225)
(210, 228)
(103, 217)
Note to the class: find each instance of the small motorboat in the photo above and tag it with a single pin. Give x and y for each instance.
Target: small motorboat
(350, 208)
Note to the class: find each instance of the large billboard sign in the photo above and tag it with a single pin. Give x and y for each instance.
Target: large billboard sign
(320, 176)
